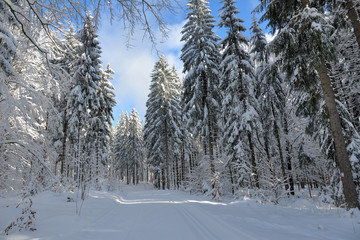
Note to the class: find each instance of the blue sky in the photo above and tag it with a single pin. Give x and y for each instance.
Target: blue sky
(133, 65)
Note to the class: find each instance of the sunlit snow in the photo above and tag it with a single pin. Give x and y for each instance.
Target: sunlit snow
(144, 213)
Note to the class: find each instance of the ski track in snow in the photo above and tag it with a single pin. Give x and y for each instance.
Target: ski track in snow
(137, 213)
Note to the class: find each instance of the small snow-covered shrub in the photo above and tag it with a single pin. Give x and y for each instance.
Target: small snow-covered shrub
(198, 179)
(216, 187)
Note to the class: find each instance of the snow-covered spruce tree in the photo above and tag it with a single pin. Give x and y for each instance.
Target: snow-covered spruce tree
(186, 146)
(110, 169)
(122, 150)
(200, 55)
(83, 102)
(260, 58)
(114, 139)
(258, 46)
(274, 108)
(129, 152)
(96, 129)
(100, 124)
(135, 144)
(306, 30)
(116, 146)
(162, 132)
(62, 69)
(238, 112)
(178, 174)
(107, 102)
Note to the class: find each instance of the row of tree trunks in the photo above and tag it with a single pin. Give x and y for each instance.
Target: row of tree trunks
(280, 149)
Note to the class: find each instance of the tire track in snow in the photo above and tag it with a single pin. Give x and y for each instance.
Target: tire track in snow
(208, 226)
(200, 229)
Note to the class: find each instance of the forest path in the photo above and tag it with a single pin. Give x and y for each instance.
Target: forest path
(137, 213)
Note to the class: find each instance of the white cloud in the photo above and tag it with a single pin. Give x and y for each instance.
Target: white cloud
(133, 66)
(174, 37)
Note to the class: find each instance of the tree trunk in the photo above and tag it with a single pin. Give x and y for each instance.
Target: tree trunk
(137, 173)
(289, 168)
(208, 140)
(159, 183)
(63, 152)
(127, 174)
(342, 158)
(167, 168)
(231, 180)
(211, 150)
(177, 173)
(183, 163)
(191, 162)
(354, 18)
(288, 158)
(268, 156)
(134, 174)
(163, 177)
(253, 161)
(277, 136)
(97, 168)
(305, 3)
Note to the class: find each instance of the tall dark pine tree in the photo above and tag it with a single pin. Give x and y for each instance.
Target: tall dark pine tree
(83, 101)
(162, 127)
(200, 56)
(236, 86)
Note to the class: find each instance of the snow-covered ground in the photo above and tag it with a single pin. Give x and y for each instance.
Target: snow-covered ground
(143, 213)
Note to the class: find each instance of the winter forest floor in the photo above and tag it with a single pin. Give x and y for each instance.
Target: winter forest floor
(144, 213)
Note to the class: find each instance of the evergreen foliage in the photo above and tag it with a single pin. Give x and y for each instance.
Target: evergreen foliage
(83, 106)
(305, 45)
(201, 96)
(238, 112)
(162, 126)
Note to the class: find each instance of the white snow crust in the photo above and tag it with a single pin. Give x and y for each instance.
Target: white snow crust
(137, 213)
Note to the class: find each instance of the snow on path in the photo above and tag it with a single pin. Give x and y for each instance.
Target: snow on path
(137, 213)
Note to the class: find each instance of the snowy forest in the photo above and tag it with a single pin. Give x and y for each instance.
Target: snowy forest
(249, 118)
